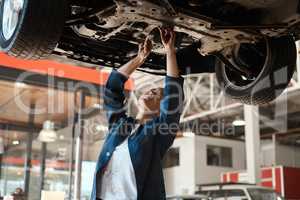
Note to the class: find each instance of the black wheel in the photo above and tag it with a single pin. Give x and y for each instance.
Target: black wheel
(30, 29)
(270, 65)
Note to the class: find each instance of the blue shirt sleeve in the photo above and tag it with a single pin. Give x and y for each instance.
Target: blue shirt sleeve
(114, 97)
(170, 110)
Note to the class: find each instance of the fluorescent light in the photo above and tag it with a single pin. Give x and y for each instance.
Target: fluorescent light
(47, 136)
(239, 122)
(188, 134)
(20, 84)
(101, 127)
(48, 133)
(16, 142)
(97, 106)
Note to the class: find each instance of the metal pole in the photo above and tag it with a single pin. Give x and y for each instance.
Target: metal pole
(2, 178)
(1, 156)
(211, 79)
(274, 149)
(252, 136)
(78, 147)
(298, 62)
(5, 180)
(71, 162)
(42, 167)
(27, 165)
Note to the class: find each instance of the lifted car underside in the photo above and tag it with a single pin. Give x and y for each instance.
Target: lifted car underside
(109, 34)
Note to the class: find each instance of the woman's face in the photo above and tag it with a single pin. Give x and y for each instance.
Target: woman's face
(150, 100)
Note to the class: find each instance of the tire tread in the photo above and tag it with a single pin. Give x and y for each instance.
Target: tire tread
(41, 29)
(283, 54)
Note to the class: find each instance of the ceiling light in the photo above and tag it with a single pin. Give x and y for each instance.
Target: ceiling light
(239, 122)
(20, 84)
(188, 134)
(16, 142)
(101, 127)
(48, 133)
(97, 106)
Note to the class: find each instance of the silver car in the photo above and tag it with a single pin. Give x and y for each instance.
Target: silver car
(238, 192)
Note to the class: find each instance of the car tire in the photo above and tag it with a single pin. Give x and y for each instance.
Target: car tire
(274, 76)
(39, 25)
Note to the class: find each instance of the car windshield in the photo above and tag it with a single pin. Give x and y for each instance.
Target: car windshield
(263, 194)
(233, 194)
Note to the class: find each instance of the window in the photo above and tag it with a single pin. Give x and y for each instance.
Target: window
(227, 194)
(56, 167)
(171, 158)
(236, 195)
(219, 156)
(263, 194)
(217, 195)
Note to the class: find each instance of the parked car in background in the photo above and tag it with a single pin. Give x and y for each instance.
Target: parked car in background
(238, 191)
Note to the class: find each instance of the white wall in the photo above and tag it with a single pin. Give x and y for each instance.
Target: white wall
(277, 155)
(193, 169)
(288, 156)
(297, 157)
(181, 179)
(267, 153)
(211, 174)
